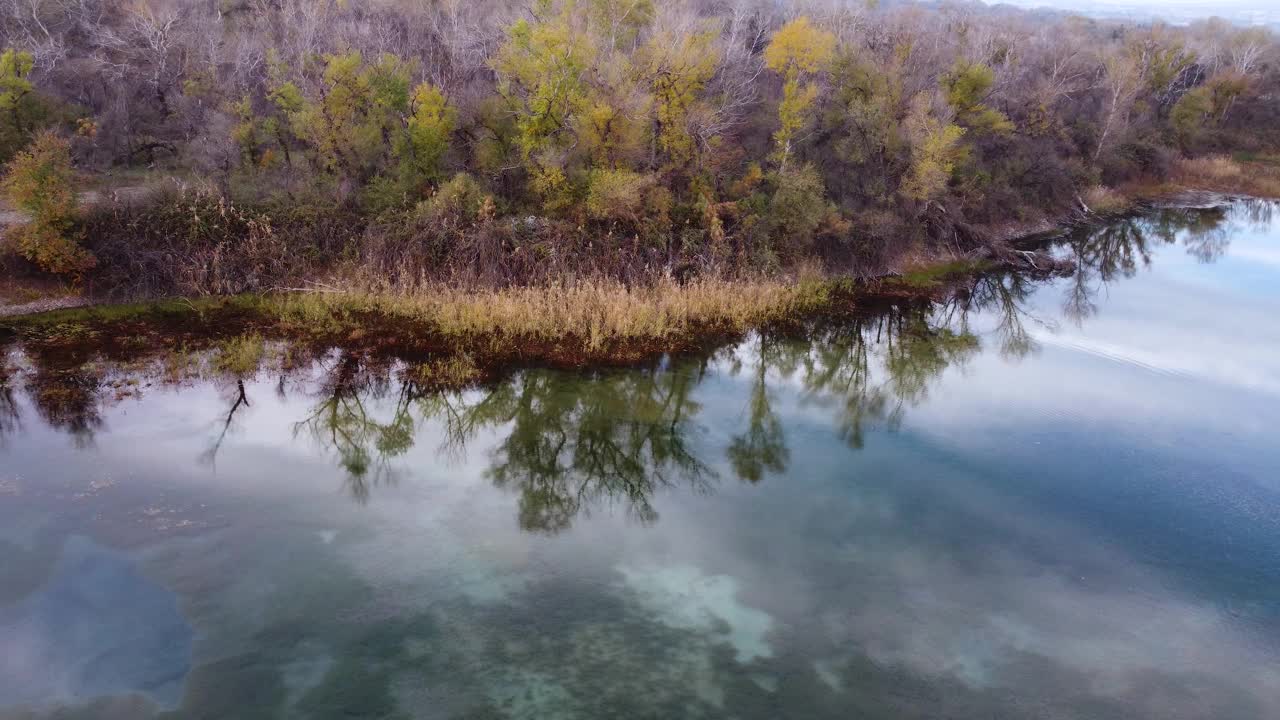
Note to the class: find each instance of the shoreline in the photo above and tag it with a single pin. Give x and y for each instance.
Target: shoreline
(459, 337)
(445, 339)
(443, 342)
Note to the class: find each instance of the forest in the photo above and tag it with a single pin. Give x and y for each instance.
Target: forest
(159, 147)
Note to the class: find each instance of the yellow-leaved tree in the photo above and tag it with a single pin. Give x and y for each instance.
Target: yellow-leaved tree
(966, 88)
(425, 139)
(799, 52)
(345, 124)
(678, 68)
(935, 150)
(365, 122)
(542, 68)
(578, 99)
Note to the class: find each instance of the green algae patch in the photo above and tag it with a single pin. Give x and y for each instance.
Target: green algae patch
(936, 275)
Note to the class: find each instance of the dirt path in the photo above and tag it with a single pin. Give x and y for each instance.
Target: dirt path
(41, 305)
(24, 296)
(88, 199)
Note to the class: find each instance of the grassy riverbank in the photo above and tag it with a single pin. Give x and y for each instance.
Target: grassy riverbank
(449, 337)
(1245, 175)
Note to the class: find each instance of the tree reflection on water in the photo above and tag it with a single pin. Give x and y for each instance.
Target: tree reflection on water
(1120, 248)
(569, 443)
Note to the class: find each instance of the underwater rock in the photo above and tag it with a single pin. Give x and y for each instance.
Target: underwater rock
(96, 628)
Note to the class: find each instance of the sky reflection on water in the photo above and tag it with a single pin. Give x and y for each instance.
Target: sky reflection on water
(1039, 499)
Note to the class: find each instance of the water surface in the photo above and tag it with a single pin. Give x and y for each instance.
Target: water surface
(1049, 499)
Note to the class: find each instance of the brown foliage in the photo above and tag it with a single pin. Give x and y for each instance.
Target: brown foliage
(41, 182)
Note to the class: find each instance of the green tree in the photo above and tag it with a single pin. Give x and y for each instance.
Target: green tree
(425, 139)
(542, 73)
(22, 110)
(935, 151)
(578, 98)
(284, 99)
(966, 88)
(335, 123)
(863, 121)
(364, 122)
(798, 205)
(1205, 108)
(245, 133)
(1190, 113)
(542, 70)
(349, 124)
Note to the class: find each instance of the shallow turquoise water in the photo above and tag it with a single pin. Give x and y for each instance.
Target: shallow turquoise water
(1039, 500)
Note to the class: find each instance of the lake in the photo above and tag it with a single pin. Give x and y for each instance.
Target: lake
(1037, 499)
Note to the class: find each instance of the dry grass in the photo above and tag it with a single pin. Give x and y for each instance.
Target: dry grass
(1224, 174)
(447, 337)
(595, 313)
(1106, 201)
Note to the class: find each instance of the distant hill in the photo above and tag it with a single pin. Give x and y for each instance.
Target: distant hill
(1245, 12)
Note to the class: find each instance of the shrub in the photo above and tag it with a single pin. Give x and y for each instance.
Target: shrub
(460, 199)
(1137, 159)
(798, 206)
(41, 182)
(202, 243)
(617, 194)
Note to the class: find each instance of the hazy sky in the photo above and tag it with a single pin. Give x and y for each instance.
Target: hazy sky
(1267, 11)
(1223, 5)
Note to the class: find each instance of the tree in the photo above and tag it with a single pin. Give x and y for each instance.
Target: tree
(1190, 113)
(41, 182)
(678, 71)
(20, 108)
(1206, 106)
(541, 71)
(346, 125)
(798, 205)
(245, 133)
(935, 150)
(1247, 47)
(1121, 81)
(863, 124)
(1167, 65)
(365, 122)
(798, 52)
(966, 87)
(425, 138)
